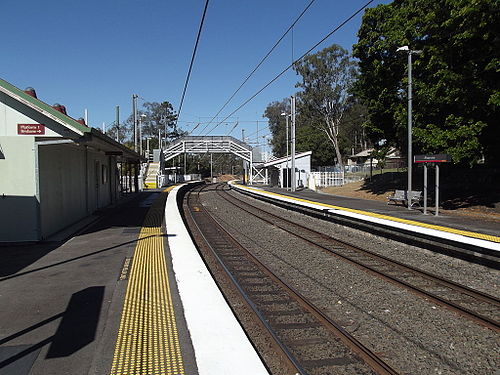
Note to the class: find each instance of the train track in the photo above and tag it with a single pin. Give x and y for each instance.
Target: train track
(477, 306)
(310, 341)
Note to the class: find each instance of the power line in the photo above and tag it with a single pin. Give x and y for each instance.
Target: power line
(291, 65)
(192, 61)
(258, 66)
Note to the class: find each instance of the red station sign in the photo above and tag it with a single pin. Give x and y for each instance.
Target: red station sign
(30, 129)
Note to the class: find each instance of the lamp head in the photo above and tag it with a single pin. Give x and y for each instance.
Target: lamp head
(403, 48)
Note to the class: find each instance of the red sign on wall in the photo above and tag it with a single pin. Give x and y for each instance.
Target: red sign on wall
(30, 129)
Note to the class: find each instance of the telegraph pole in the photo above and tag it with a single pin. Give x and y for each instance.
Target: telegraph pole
(117, 122)
(134, 110)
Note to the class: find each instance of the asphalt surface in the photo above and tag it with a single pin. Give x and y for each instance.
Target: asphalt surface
(61, 301)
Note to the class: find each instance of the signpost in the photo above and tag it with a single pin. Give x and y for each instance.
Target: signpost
(436, 159)
(30, 129)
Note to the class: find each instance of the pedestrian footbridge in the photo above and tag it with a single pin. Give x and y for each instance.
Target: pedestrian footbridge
(215, 145)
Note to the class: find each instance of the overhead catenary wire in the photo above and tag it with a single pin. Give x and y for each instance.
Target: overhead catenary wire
(192, 61)
(257, 67)
(293, 63)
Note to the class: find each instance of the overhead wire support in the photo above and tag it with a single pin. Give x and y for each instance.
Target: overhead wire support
(192, 61)
(257, 67)
(294, 62)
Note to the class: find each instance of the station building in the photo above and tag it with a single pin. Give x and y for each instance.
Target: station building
(279, 170)
(54, 170)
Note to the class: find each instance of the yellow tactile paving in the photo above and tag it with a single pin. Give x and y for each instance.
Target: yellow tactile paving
(148, 342)
(481, 236)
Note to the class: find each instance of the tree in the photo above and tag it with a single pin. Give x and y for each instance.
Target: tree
(327, 77)
(380, 153)
(156, 118)
(308, 138)
(112, 131)
(456, 83)
(277, 125)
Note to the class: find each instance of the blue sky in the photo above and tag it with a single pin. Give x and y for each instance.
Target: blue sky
(95, 54)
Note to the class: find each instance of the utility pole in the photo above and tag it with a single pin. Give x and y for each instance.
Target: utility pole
(140, 134)
(134, 110)
(294, 177)
(117, 123)
(410, 108)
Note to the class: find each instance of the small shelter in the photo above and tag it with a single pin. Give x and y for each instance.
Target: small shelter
(278, 171)
(54, 170)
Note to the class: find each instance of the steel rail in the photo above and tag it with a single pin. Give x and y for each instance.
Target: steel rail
(278, 345)
(481, 319)
(370, 358)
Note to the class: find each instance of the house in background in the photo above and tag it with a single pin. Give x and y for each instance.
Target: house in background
(363, 159)
(54, 170)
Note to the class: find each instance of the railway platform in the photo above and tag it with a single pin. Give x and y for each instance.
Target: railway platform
(125, 295)
(476, 237)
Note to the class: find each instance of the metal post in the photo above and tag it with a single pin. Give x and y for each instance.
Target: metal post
(437, 189)
(211, 168)
(409, 132)
(250, 177)
(117, 122)
(140, 135)
(294, 184)
(287, 146)
(425, 188)
(134, 109)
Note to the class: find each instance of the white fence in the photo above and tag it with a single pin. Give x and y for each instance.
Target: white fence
(164, 180)
(324, 179)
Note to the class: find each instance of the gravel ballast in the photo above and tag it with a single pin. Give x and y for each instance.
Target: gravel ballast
(413, 335)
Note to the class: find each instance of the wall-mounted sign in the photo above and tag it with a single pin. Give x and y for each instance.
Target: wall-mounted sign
(30, 129)
(438, 158)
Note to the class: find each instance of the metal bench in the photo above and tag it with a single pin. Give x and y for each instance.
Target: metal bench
(415, 198)
(400, 196)
(397, 197)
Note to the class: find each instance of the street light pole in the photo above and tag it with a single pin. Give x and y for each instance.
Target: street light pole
(287, 146)
(410, 108)
(292, 135)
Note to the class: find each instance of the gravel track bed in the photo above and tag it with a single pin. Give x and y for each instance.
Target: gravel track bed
(260, 337)
(475, 276)
(414, 336)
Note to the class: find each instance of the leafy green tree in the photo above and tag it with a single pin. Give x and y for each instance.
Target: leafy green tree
(277, 125)
(156, 118)
(308, 138)
(456, 82)
(352, 134)
(380, 153)
(327, 77)
(120, 130)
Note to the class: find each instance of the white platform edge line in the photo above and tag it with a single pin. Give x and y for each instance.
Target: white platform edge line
(428, 231)
(219, 342)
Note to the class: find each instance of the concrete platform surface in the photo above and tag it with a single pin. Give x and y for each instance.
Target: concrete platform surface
(61, 301)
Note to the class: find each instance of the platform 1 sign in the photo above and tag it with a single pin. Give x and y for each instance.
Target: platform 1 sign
(30, 129)
(438, 158)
